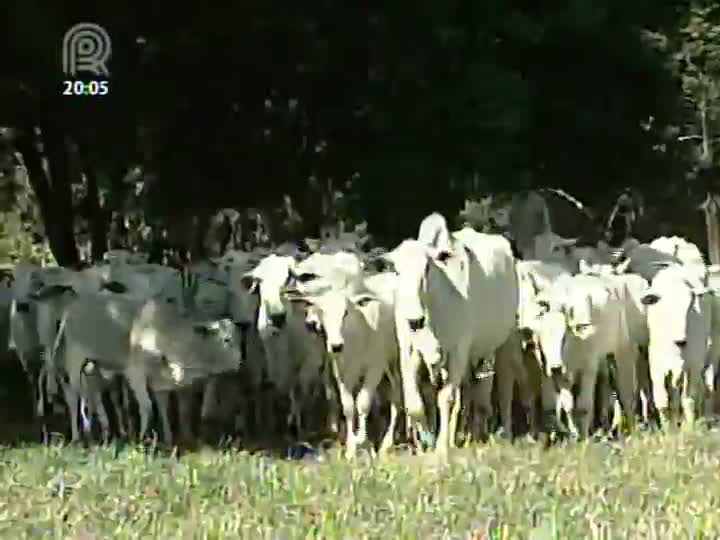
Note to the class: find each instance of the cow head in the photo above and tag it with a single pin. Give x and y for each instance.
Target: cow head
(677, 309)
(270, 277)
(563, 313)
(335, 310)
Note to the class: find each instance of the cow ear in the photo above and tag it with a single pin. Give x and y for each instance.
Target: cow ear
(649, 299)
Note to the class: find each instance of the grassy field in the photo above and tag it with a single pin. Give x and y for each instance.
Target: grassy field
(652, 486)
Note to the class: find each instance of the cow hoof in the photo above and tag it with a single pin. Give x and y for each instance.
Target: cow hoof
(427, 439)
(502, 434)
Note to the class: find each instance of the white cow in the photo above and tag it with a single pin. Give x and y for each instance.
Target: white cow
(534, 277)
(468, 296)
(636, 314)
(168, 352)
(94, 327)
(62, 290)
(362, 347)
(342, 271)
(583, 320)
(647, 259)
(23, 335)
(147, 342)
(234, 267)
(679, 321)
(713, 359)
(294, 355)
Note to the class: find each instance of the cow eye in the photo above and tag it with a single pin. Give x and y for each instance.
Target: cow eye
(579, 328)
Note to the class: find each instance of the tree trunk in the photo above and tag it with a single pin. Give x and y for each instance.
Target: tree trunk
(53, 193)
(711, 207)
(98, 216)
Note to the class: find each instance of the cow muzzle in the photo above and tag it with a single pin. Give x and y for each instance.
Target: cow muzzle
(336, 348)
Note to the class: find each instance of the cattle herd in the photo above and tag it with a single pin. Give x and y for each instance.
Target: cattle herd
(429, 342)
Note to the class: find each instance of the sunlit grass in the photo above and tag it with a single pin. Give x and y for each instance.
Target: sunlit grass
(661, 485)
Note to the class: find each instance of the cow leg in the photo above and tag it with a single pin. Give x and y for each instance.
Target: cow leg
(295, 413)
(508, 359)
(483, 407)
(138, 384)
(332, 401)
(549, 400)
(414, 406)
(257, 402)
(115, 400)
(585, 404)
(603, 392)
(185, 401)
(457, 365)
(529, 384)
(72, 398)
(395, 406)
(455, 416)
(348, 406)
(692, 395)
(163, 404)
(660, 392)
(126, 405)
(364, 403)
(644, 387)
(208, 409)
(626, 362)
(446, 400)
(98, 407)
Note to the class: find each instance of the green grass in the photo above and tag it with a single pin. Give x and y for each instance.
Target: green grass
(662, 483)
